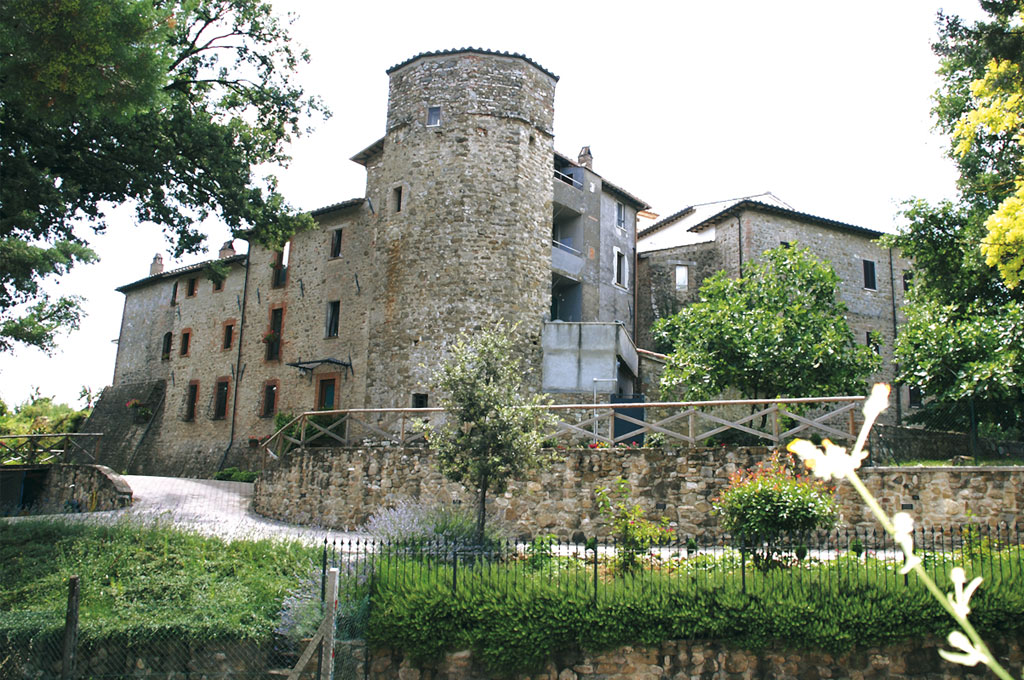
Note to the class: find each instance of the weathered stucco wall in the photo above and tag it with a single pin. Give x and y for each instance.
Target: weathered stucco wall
(343, 487)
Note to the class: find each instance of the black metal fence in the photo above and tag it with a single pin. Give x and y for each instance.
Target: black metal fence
(820, 562)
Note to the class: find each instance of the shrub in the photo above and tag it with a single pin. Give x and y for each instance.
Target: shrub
(417, 523)
(634, 534)
(772, 499)
(233, 474)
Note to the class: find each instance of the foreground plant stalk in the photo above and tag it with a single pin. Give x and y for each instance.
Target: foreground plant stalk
(833, 462)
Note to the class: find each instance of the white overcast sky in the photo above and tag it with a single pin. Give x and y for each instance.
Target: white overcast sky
(825, 104)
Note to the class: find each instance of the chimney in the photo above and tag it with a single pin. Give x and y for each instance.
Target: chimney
(227, 250)
(158, 265)
(586, 159)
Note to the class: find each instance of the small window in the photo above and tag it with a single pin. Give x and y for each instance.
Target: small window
(419, 400)
(433, 116)
(396, 200)
(682, 277)
(269, 406)
(336, 243)
(218, 285)
(620, 215)
(272, 338)
(333, 312)
(220, 400)
(229, 335)
(280, 271)
(325, 394)
(869, 275)
(174, 293)
(165, 351)
(915, 396)
(873, 342)
(620, 268)
(190, 287)
(186, 340)
(908, 276)
(191, 400)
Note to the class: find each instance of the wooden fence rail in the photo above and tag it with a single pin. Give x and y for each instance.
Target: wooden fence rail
(40, 449)
(693, 423)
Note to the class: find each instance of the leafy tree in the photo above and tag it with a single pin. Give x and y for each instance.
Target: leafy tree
(493, 432)
(164, 104)
(40, 415)
(962, 332)
(777, 331)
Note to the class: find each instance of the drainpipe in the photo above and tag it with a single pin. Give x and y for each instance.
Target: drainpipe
(739, 239)
(637, 384)
(895, 366)
(238, 361)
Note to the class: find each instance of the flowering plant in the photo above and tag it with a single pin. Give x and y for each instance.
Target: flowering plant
(270, 336)
(133, 403)
(833, 462)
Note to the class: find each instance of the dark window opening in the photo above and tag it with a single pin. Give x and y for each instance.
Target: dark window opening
(907, 278)
(620, 216)
(620, 268)
(333, 312)
(336, 243)
(869, 275)
(396, 199)
(269, 400)
(165, 351)
(419, 400)
(273, 337)
(218, 285)
(280, 275)
(190, 287)
(174, 293)
(191, 399)
(186, 338)
(784, 244)
(873, 342)
(915, 396)
(325, 394)
(433, 116)
(220, 400)
(229, 335)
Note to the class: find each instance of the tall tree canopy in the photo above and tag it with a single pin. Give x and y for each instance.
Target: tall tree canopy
(961, 343)
(168, 105)
(777, 331)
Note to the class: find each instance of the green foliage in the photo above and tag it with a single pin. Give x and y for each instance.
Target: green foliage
(146, 582)
(416, 523)
(778, 331)
(494, 432)
(233, 474)
(634, 534)
(516, 630)
(538, 552)
(40, 415)
(167, 106)
(772, 499)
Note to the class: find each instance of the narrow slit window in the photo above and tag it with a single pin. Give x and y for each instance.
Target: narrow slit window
(620, 215)
(186, 341)
(191, 400)
(165, 351)
(336, 243)
(333, 312)
(220, 400)
(620, 268)
(190, 287)
(229, 335)
(869, 275)
(174, 293)
(269, 400)
(682, 277)
(396, 199)
(272, 338)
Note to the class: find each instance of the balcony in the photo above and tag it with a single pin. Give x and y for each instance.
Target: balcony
(566, 260)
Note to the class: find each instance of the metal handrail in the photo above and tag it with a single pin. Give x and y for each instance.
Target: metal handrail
(588, 424)
(568, 179)
(567, 248)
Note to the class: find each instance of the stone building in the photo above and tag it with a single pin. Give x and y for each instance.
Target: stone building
(677, 253)
(469, 218)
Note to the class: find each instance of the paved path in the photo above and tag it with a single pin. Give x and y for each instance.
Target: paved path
(208, 506)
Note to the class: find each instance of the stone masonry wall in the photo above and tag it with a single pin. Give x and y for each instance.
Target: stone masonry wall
(71, 488)
(342, 487)
(702, 659)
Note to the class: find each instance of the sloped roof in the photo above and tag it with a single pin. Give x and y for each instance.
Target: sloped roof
(350, 203)
(198, 266)
(472, 50)
(699, 213)
(638, 203)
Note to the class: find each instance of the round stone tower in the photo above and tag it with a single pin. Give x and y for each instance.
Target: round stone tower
(462, 190)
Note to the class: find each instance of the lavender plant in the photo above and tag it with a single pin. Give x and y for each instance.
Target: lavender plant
(417, 523)
(833, 462)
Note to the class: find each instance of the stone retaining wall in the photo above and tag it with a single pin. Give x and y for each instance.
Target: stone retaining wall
(688, 660)
(43, 489)
(341, 488)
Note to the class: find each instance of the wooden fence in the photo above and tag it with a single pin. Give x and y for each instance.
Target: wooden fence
(692, 423)
(41, 449)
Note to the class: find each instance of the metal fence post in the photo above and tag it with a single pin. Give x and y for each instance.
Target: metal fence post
(70, 631)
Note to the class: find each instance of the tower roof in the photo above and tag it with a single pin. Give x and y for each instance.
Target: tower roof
(472, 50)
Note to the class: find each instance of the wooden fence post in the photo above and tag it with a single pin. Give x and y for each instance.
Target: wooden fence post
(67, 671)
(330, 611)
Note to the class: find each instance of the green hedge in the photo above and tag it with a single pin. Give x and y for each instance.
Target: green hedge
(516, 628)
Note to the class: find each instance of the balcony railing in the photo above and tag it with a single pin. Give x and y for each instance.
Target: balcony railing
(568, 179)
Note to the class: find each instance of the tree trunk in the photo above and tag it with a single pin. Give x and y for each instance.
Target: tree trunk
(481, 515)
